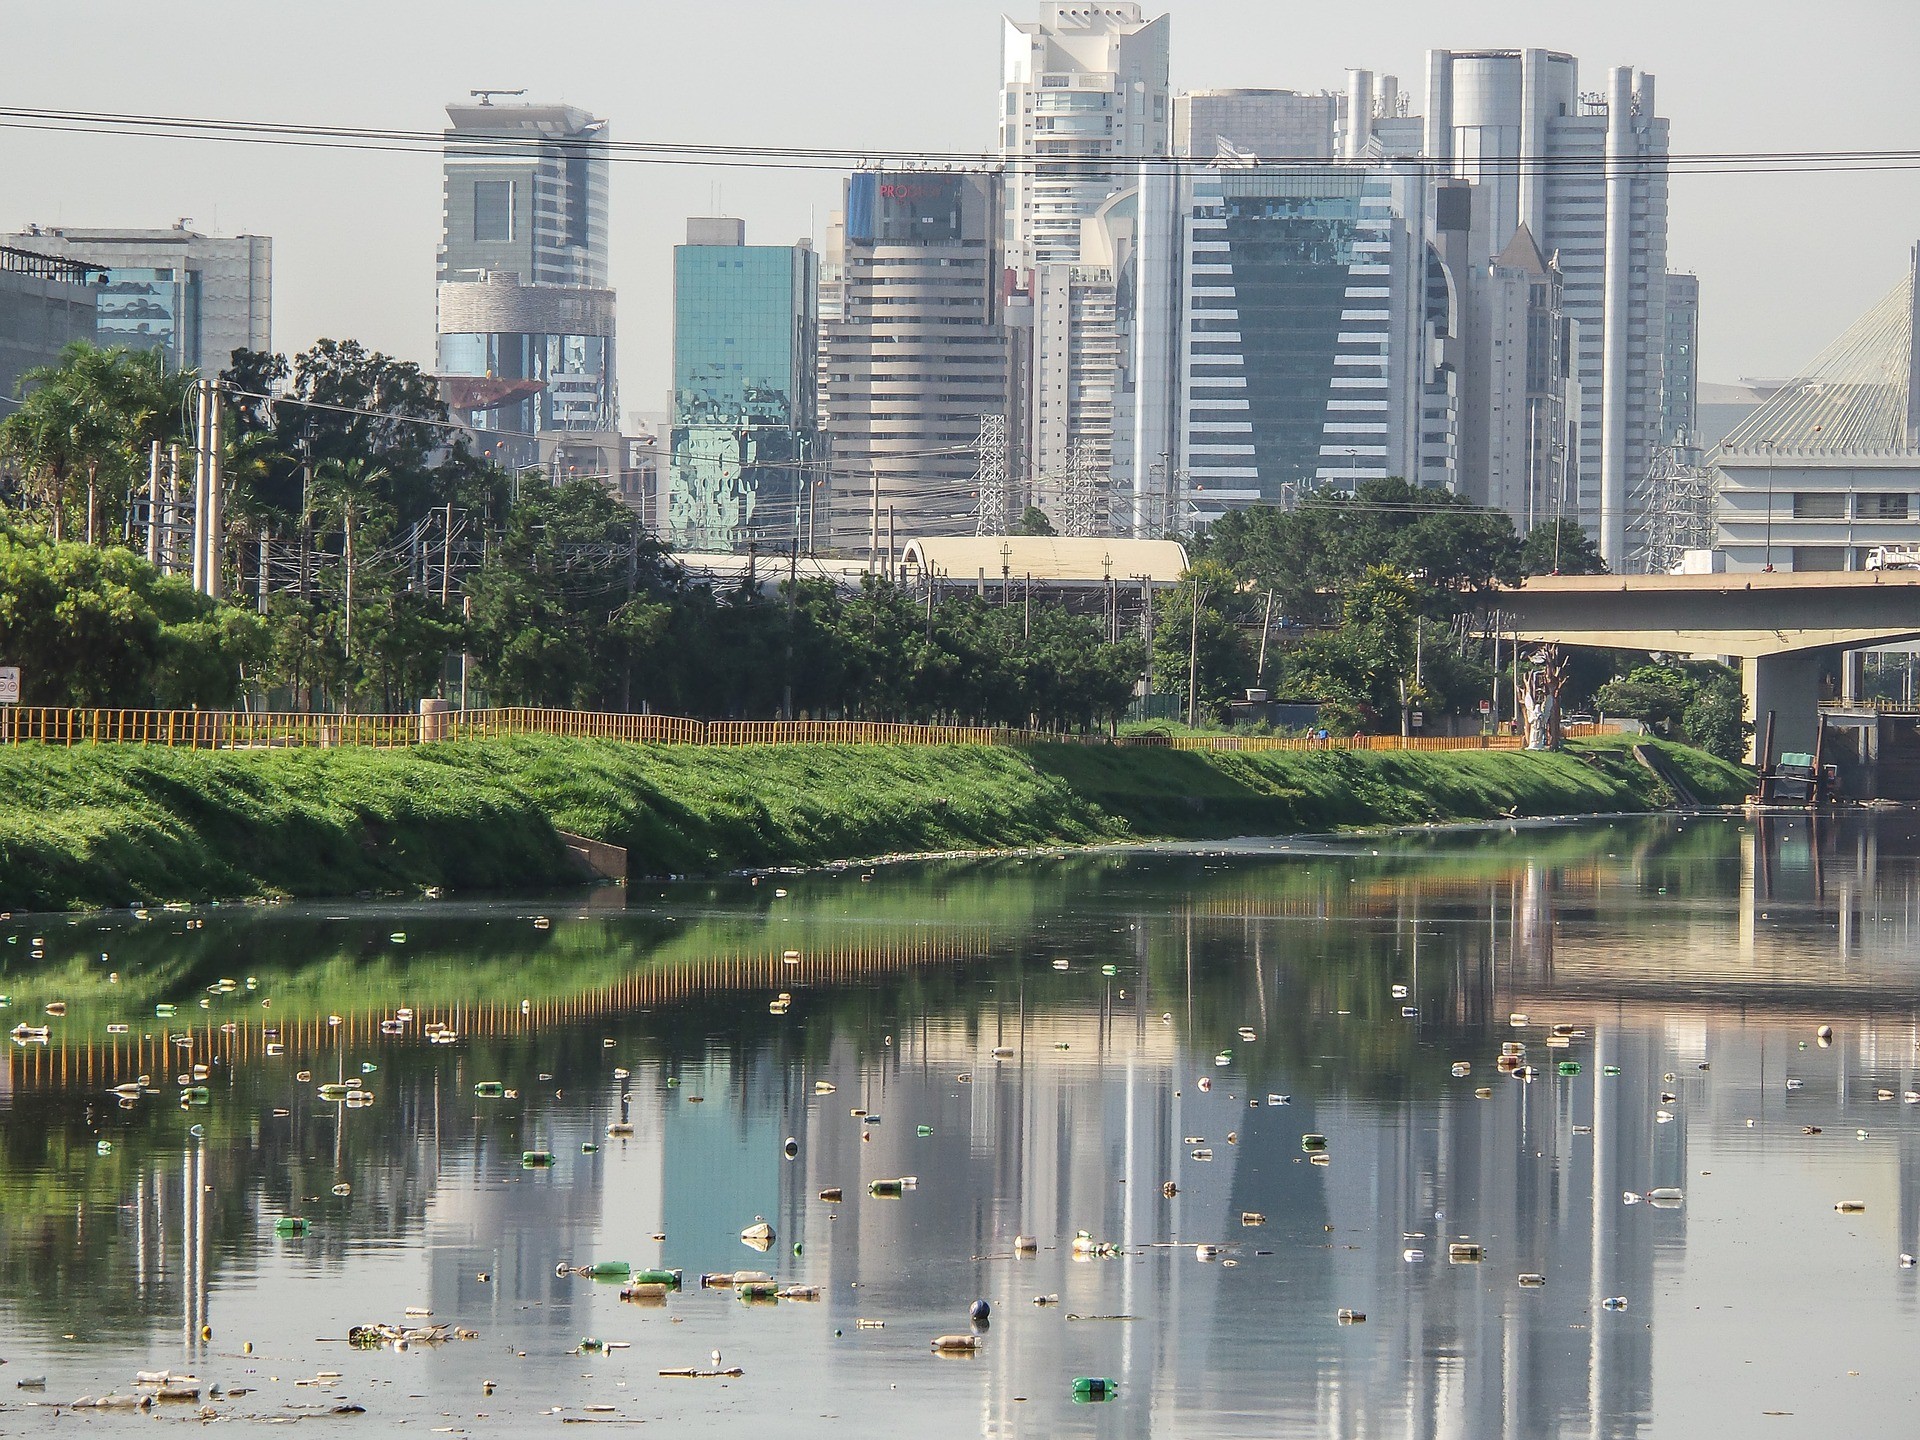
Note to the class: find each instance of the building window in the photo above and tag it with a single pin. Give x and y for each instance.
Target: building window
(1819, 506)
(1881, 507)
(493, 210)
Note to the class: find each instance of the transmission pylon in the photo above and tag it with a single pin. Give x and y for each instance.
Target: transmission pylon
(1675, 508)
(1082, 504)
(990, 479)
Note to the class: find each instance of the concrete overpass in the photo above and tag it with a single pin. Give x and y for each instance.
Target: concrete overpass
(1788, 629)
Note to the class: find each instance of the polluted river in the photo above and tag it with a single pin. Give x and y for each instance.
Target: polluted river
(1597, 1129)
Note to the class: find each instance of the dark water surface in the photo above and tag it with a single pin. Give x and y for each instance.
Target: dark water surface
(1696, 957)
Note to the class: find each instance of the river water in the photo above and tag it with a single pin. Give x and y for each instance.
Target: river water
(1044, 1044)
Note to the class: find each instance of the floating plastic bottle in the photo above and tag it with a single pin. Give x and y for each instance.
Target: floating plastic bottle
(1465, 1252)
(609, 1270)
(1614, 1302)
(1311, 1142)
(885, 1189)
(489, 1090)
(536, 1159)
(831, 1194)
(1089, 1389)
(1569, 1067)
(1532, 1281)
(1350, 1317)
(956, 1344)
(291, 1226)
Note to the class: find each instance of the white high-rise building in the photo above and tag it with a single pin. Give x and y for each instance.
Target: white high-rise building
(1083, 88)
(1586, 174)
(1084, 97)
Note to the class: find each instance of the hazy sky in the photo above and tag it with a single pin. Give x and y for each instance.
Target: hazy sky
(1785, 261)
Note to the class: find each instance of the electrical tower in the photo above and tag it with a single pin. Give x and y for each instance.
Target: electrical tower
(1082, 515)
(990, 479)
(1675, 506)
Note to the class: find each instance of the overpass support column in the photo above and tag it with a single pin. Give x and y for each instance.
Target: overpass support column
(1790, 686)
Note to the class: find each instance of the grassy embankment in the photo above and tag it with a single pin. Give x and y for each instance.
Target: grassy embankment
(100, 825)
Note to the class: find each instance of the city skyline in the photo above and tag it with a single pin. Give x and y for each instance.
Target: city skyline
(1768, 302)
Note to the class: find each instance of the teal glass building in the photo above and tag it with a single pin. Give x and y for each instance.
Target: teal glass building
(745, 430)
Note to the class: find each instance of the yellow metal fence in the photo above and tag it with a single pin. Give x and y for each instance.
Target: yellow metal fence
(243, 730)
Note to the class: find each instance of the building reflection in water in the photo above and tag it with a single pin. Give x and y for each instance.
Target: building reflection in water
(1695, 956)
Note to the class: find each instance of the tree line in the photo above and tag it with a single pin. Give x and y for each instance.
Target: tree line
(1372, 603)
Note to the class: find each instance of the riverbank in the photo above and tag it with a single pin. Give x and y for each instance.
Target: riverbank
(108, 824)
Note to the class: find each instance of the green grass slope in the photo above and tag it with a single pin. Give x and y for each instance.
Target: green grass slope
(102, 825)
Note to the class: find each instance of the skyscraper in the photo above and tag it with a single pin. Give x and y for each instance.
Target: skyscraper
(1296, 358)
(1082, 88)
(745, 356)
(526, 323)
(918, 355)
(195, 298)
(1084, 95)
(1587, 175)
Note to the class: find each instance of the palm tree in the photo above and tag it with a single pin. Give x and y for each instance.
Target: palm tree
(94, 413)
(348, 491)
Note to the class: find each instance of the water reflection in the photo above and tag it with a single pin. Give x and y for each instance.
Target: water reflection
(1695, 956)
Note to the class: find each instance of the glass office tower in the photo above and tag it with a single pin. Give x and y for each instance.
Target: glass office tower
(745, 418)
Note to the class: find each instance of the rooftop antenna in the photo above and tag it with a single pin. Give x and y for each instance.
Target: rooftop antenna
(485, 97)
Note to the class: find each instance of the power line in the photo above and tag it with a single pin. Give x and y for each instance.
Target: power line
(468, 145)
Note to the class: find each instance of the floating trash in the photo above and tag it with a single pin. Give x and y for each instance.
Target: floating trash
(963, 1344)
(1092, 1389)
(1465, 1252)
(1850, 1207)
(1532, 1281)
(758, 1236)
(1350, 1317)
(1614, 1302)
(291, 1226)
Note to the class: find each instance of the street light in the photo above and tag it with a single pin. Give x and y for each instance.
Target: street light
(1767, 445)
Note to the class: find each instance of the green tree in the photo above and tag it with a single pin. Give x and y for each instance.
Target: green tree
(1560, 547)
(97, 626)
(1033, 521)
(1196, 620)
(1312, 555)
(88, 420)
(350, 492)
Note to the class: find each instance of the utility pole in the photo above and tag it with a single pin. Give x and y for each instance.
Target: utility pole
(793, 597)
(216, 504)
(446, 559)
(1193, 661)
(1146, 612)
(1260, 672)
(1026, 621)
(200, 422)
(891, 551)
(873, 534)
(153, 506)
